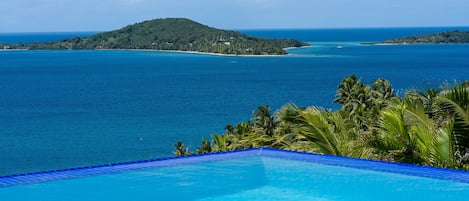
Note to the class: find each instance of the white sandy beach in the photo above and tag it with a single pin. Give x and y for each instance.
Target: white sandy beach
(211, 53)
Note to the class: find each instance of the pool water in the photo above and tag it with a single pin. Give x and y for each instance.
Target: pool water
(251, 176)
(295, 180)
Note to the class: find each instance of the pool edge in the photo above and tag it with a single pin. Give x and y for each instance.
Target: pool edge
(400, 168)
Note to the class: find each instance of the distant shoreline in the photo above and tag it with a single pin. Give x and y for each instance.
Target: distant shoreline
(216, 54)
(229, 55)
(203, 53)
(180, 51)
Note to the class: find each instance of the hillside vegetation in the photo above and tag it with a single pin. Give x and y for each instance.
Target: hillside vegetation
(175, 34)
(437, 38)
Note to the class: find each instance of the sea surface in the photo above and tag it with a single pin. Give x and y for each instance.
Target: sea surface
(61, 109)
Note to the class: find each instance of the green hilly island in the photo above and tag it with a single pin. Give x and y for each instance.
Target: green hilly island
(447, 37)
(176, 34)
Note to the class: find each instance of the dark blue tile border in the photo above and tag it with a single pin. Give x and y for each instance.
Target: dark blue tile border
(422, 171)
(37, 177)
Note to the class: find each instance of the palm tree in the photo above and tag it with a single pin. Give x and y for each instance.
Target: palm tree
(444, 107)
(264, 120)
(345, 89)
(205, 147)
(361, 103)
(181, 150)
(381, 93)
(325, 132)
(220, 143)
(409, 135)
(382, 90)
(427, 98)
(455, 104)
(229, 129)
(242, 128)
(277, 140)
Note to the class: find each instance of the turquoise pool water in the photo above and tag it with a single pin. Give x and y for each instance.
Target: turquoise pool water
(251, 176)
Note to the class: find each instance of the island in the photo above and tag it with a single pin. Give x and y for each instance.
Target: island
(447, 37)
(171, 34)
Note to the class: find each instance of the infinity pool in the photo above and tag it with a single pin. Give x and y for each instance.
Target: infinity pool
(258, 174)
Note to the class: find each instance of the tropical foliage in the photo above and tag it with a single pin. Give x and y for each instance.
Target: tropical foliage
(426, 128)
(174, 34)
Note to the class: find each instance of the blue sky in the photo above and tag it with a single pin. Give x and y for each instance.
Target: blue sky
(103, 15)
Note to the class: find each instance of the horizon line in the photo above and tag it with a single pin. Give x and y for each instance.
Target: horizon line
(249, 29)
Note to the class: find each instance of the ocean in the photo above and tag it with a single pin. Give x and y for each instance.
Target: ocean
(61, 109)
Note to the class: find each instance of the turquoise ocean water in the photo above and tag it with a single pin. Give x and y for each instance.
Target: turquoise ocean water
(63, 109)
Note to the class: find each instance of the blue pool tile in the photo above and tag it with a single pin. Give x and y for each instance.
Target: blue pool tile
(407, 169)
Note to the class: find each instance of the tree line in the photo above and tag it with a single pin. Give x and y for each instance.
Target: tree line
(437, 38)
(421, 127)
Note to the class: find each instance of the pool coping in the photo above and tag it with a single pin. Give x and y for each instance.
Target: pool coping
(399, 168)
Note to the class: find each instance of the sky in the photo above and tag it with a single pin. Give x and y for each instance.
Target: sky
(105, 15)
